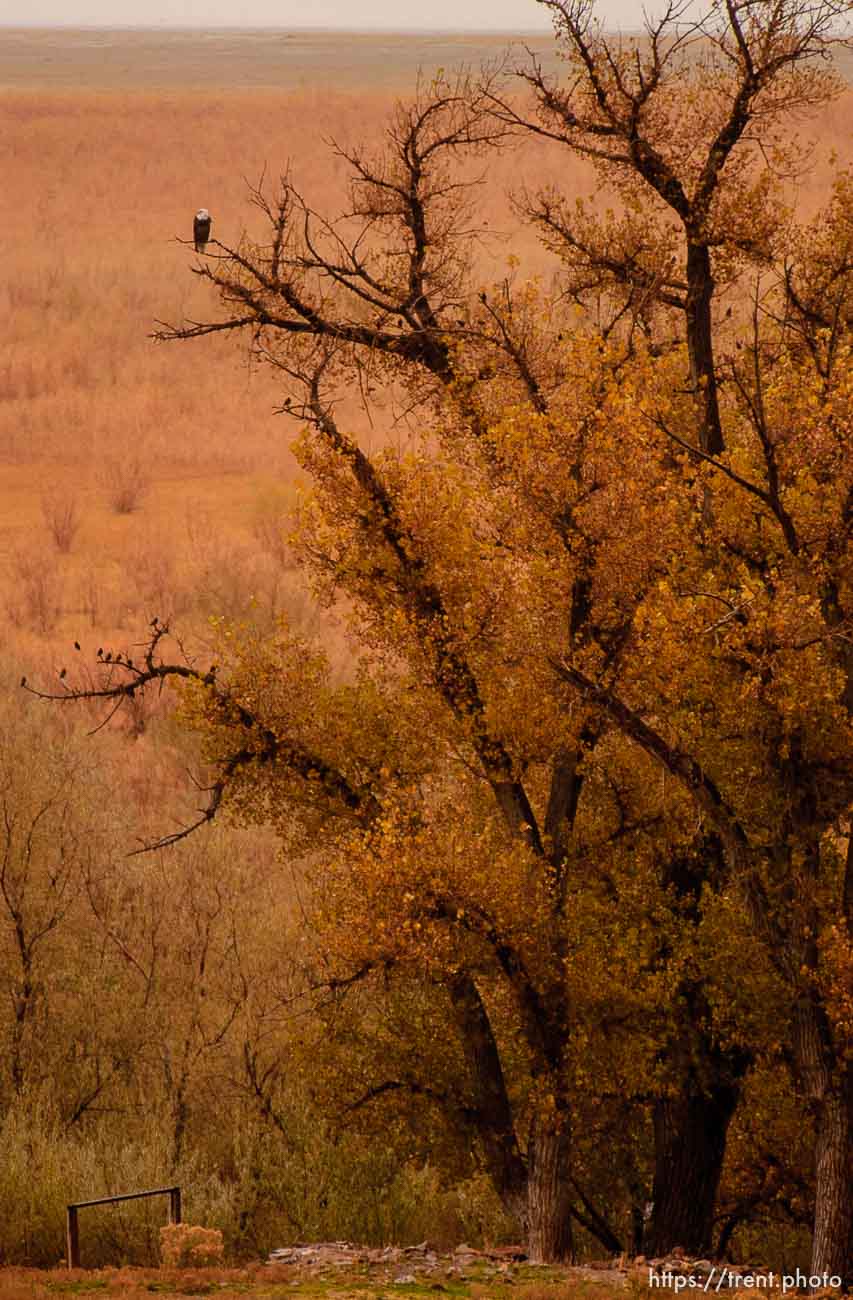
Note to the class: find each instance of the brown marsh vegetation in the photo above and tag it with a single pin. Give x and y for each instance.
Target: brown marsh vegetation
(100, 183)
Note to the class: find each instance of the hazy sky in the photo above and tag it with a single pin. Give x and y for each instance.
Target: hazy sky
(512, 15)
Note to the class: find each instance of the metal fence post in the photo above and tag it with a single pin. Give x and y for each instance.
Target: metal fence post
(72, 1238)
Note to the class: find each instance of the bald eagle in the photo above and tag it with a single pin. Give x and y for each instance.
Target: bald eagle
(201, 229)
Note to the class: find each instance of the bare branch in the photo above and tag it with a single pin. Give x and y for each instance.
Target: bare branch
(265, 746)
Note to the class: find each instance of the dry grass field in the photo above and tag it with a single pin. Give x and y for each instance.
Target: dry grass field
(138, 478)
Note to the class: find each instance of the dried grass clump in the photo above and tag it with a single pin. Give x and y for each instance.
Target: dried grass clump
(60, 510)
(270, 528)
(34, 593)
(187, 1245)
(126, 481)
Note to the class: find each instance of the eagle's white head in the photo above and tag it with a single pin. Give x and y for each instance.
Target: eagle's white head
(202, 215)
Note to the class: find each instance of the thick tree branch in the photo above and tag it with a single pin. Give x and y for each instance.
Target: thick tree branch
(689, 772)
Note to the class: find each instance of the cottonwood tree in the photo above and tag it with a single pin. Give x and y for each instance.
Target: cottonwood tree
(415, 863)
(778, 796)
(529, 617)
(789, 847)
(691, 126)
(690, 129)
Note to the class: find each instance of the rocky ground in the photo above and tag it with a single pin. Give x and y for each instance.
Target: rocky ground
(402, 1265)
(408, 1265)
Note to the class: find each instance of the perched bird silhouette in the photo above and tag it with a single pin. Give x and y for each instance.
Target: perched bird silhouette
(201, 229)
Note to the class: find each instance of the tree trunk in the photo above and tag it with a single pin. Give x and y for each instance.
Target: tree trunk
(833, 1222)
(494, 1120)
(826, 1079)
(700, 347)
(691, 1127)
(690, 1143)
(549, 1224)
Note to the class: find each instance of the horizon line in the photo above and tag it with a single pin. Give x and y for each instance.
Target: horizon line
(366, 29)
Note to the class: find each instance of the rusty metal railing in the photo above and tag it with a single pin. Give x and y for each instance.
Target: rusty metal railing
(72, 1236)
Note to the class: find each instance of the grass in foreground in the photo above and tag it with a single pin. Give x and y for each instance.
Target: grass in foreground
(261, 1282)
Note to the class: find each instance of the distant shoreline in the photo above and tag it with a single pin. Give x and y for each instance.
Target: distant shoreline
(243, 58)
(278, 27)
(282, 59)
(285, 27)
